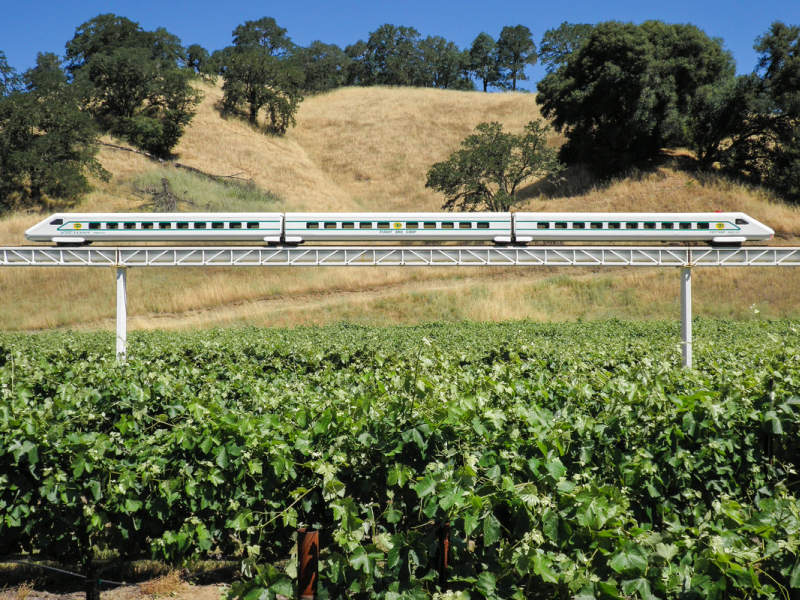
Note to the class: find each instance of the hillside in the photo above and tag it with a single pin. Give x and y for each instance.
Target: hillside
(369, 148)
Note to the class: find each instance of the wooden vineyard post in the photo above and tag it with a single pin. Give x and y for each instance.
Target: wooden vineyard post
(443, 553)
(307, 563)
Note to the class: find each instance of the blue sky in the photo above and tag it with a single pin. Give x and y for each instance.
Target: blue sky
(45, 26)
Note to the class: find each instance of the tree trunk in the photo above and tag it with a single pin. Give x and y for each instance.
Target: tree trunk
(253, 113)
(484, 84)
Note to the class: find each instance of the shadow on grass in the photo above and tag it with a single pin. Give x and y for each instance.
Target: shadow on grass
(578, 179)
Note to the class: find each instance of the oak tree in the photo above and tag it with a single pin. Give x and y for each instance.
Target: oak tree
(488, 169)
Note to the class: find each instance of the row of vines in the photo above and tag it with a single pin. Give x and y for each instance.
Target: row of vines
(570, 460)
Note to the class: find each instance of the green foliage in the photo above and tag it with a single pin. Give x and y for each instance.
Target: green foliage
(396, 55)
(721, 118)
(324, 66)
(558, 44)
(9, 78)
(491, 165)
(766, 148)
(628, 89)
(482, 61)
(134, 85)
(199, 60)
(514, 50)
(265, 33)
(391, 56)
(571, 460)
(258, 73)
(47, 142)
(444, 65)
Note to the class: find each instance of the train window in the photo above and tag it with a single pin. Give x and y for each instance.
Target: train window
(483, 225)
(57, 222)
(94, 225)
(541, 225)
(312, 225)
(365, 225)
(348, 225)
(464, 225)
(217, 225)
(668, 226)
(383, 224)
(112, 225)
(579, 225)
(739, 221)
(430, 225)
(685, 225)
(650, 225)
(200, 225)
(130, 225)
(330, 224)
(147, 225)
(631, 225)
(250, 225)
(561, 225)
(613, 225)
(448, 225)
(235, 225)
(182, 224)
(413, 225)
(163, 226)
(702, 225)
(596, 225)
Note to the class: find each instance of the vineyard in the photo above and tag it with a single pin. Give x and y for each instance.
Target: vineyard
(568, 460)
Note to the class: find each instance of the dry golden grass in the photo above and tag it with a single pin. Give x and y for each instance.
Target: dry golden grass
(166, 585)
(370, 148)
(23, 591)
(376, 144)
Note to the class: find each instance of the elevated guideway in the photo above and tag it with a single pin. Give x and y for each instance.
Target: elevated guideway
(124, 257)
(400, 256)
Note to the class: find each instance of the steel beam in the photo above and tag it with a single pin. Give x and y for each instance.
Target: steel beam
(401, 256)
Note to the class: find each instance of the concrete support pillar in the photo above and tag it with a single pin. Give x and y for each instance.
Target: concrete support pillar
(122, 314)
(686, 316)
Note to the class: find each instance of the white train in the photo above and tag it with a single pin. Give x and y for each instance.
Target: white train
(715, 228)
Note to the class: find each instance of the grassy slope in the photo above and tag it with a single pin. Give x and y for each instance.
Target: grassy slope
(369, 148)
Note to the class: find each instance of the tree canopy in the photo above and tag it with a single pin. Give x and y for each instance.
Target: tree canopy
(558, 44)
(134, 81)
(397, 55)
(627, 90)
(488, 169)
(766, 147)
(258, 73)
(47, 142)
(482, 62)
(324, 66)
(514, 50)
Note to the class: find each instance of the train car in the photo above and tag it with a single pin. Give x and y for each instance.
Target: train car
(84, 228)
(397, 227)
(718, 228)
(715, 228)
